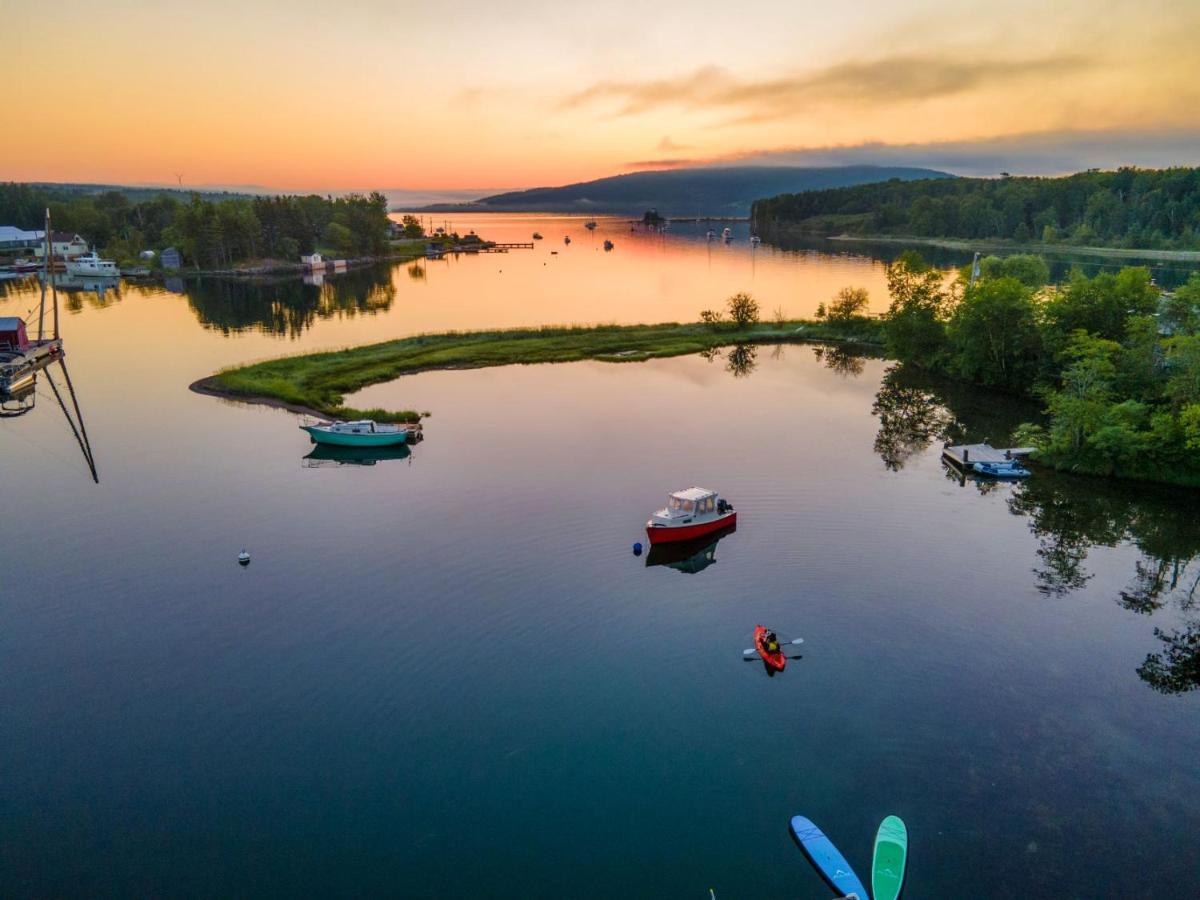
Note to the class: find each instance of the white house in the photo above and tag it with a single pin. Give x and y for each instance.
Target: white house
(65, 244)
(312, 260)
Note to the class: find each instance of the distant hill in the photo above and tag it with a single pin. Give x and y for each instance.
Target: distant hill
(686, 192)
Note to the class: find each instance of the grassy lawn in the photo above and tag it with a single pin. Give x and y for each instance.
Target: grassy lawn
(320, 381)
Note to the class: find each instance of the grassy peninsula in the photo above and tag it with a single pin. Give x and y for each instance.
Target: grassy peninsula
(318, 382)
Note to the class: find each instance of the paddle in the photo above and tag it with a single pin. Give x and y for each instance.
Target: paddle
(750, 654)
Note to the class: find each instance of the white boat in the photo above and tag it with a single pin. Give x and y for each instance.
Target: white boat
(755, 239)
(92, 264)
(727, 235)
(711, 234)
(363, 433)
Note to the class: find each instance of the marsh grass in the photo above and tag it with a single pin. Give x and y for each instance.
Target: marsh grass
(320, 381)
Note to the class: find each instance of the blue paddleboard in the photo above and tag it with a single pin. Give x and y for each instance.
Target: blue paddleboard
(827, 859)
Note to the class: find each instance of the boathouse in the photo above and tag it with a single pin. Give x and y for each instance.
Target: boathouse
(12, 334)
(171, 259)
(19, 239)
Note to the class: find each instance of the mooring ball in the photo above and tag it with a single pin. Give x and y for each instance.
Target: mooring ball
(637, 548)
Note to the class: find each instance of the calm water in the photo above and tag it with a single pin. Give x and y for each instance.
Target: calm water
(446, 674)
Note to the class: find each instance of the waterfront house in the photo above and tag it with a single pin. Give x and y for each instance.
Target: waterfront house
(18, 240)
(64, 245)
(312, 260)
(172, 259)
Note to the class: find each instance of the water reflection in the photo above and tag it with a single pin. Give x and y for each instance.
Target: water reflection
(1067, 515)
(741, 361)
(97, 292)
(288, 307)
(689, 556)
(330, 456)
(846, 361)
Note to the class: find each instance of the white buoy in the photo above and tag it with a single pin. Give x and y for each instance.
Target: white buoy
(244, 557)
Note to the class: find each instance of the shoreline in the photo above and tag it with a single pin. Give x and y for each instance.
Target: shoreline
(316, 383)
(1032, 247)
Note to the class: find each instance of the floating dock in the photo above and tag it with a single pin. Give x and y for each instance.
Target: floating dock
(966, 455)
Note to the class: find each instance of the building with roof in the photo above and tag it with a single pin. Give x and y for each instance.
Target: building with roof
(65, 244)
(171, 259)
(18, 240)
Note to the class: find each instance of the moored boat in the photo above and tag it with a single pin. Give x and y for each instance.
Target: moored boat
(363, 433)
(1005, 469)
(690, 514)
(92, 264)
(590, 226)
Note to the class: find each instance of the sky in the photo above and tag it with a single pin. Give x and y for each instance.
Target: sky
(468, 98)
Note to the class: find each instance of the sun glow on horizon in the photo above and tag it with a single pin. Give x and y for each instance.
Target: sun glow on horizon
(291, 96)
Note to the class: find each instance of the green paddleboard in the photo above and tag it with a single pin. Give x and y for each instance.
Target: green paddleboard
(891, 852)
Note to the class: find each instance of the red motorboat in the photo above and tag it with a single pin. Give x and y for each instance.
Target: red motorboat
(690, 514)
(773, 658)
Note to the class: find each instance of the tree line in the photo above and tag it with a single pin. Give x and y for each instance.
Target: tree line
(1130, 207)
(209, 233)
(1115, 361)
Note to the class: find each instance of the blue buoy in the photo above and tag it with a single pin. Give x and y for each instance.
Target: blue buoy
(637, 548)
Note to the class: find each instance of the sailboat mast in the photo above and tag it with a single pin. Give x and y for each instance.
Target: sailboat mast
(45, 277)
(53, 285)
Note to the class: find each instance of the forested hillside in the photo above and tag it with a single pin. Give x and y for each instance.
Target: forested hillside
(1136, 208)
(208, 233)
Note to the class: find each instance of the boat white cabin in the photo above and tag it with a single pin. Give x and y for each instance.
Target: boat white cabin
(690, 513)
(91, 264)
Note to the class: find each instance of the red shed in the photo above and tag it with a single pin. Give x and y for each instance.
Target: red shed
(12, 334)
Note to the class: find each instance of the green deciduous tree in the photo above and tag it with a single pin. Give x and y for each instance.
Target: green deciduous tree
(850, 303)
(915, 323)
(993, 335)
(743, 310)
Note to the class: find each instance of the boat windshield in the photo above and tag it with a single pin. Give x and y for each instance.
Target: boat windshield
(688, 507)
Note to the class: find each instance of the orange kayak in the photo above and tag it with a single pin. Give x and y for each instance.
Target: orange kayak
(775, 660)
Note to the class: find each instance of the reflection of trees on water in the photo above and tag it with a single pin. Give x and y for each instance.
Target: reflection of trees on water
(289, 307)
(915, 409)
(844, 361)
(910, 418)
(742, 360)
(1068, 516)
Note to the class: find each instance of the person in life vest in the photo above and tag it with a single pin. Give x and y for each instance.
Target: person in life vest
(771, 642)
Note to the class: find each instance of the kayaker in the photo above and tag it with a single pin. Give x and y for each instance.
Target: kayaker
(771, 642)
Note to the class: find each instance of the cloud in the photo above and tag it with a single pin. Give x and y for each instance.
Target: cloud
(667, 145)
(883, 81)
(1035, 153)
(660, 163)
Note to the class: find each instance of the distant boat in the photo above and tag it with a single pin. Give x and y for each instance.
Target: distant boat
(537, 235)
(755, 239)
(608, 245)
(711, 234)
(590, 226)
(727, 235)
(363, 433)
(91, 264)
(567, 239)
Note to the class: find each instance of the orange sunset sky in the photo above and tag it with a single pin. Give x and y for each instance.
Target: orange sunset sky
(366, 93)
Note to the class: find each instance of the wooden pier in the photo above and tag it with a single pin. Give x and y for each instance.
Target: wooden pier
(966, 455)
